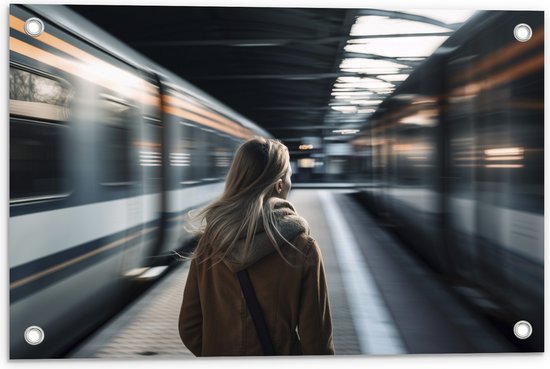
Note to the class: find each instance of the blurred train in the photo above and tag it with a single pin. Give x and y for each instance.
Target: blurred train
(108, 153)
(455, 159)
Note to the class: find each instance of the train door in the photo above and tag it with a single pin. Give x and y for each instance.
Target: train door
(181, 167)
(125, 147)
(120, 183)
(172, 163)
(146, 207)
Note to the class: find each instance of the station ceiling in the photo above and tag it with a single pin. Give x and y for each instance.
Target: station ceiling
(290, 70)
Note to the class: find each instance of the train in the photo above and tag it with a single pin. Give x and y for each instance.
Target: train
(453, 161)
(109, 152)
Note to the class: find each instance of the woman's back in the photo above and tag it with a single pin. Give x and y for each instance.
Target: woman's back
(253, 227)
(289, 297)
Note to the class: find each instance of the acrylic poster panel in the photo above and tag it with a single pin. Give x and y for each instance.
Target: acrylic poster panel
(441, 138)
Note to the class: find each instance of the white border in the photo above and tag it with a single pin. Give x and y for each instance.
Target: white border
(505, 361)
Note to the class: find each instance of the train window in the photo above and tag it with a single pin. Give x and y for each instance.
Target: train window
(187, 154)
(37, 161)
(150, 155)
(203, 154)
(222, 157)
(35, 96)
(211, 143)
(116, 118)
(202, 162)
(183, 157)
(38, 109)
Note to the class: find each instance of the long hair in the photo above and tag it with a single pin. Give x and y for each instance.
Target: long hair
(258, 164)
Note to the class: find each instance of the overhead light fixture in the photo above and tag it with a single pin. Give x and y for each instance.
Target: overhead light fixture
(366, 111)
(421, 46)
(370, 63)
(351, 97)
(305, 147)
(346, 131)
(370, 71)
(370, 79)
(372, 25)
(345, 108)
(351, 92)
(505, 151)
(348, 79)
(394, 77)
(448, 16)
(367, 83)
(366, 102)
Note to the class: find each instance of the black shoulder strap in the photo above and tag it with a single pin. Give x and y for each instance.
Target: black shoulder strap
(256, 312)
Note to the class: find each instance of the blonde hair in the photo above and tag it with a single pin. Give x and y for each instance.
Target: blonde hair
(258, 165)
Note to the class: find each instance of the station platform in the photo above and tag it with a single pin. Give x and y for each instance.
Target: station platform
(383, 300)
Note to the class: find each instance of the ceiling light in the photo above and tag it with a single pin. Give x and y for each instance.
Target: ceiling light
(422, 46)
(370, 71)
(394, 77)
(348, 89)
(366, 111)
(345, 108)
(369, 63)
(505, 151)
(376, 25)
(382, 90)
(366, 102)
(346, 131)
(448, 16)
(351, 93)
(367, 83)
(348, 79)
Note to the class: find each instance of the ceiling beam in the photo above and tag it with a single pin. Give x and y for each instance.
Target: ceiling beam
(270, 42)
(266, 42)
(298, 77)
(409, 63)
(295, 77)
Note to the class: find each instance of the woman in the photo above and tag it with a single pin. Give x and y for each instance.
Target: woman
(253, 227)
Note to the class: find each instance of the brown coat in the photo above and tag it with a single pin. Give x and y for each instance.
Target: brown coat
(214, 319)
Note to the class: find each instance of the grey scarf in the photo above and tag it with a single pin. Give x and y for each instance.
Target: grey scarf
(287, 222)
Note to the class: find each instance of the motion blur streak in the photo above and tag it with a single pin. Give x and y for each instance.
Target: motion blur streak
(464, 186)
(104, 171)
